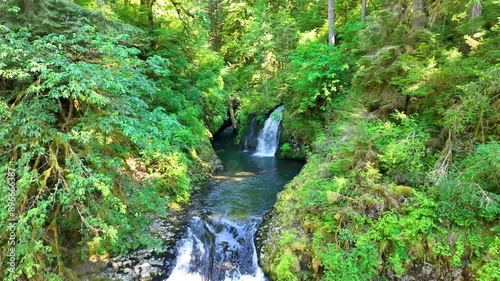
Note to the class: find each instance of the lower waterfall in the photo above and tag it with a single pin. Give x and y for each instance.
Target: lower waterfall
(218, 244)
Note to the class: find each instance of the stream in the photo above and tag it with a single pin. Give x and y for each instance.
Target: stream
(219, 241)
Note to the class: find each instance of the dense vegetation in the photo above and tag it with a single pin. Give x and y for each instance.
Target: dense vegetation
(401, 117)
(107, 114)
(103, 126)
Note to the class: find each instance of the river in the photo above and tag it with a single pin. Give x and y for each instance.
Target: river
(219, 241)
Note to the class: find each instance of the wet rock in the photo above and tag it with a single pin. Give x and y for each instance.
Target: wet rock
(127, 263)
(114, 265)
(146, 254)
(155, 262)
(154, 271)
(145, 266)
(216, 164)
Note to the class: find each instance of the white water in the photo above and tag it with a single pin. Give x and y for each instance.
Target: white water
(191, 248)
(218, 244)
(267, 143)
(202, 261)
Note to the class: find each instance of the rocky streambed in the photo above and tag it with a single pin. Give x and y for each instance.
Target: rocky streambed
(144, 264)
(149, 264)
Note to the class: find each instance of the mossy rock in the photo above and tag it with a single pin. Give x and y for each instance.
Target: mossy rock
(403, 190)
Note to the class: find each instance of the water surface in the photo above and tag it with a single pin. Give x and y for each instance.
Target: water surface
(219, 241)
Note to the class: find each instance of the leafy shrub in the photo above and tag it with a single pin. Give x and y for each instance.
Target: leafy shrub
(76, 108)
(402, 149)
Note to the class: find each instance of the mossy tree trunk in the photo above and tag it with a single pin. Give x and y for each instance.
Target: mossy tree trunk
(148, 6)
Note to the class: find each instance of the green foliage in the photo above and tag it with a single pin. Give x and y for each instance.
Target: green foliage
(490, 270)
(358, 263)
(318, 76)
(402, 148)
(94, 144)
(286, 264)
(102, 126)
(482, 168)
(285, 149)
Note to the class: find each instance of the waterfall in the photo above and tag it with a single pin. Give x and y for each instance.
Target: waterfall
(218, 242)
(218, 250)
(250, 134)
(268, 139)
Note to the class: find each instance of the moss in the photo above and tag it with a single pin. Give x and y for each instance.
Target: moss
(403, 190)
(352, 222)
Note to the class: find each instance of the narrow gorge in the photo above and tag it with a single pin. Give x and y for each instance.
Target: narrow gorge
(219, 240)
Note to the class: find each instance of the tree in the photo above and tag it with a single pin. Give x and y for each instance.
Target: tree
(148, 6)
(418, 13)
(363, 10)
(476, 9)
(215, 12)
(331, 22)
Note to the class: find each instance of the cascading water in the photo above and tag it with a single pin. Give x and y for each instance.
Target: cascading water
(218, 244)
(267, 143)
(218, 250)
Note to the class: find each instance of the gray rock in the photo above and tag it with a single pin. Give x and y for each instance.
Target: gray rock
(145, 276)
(127, 271)
(155, 262)
(427, 268)
(154, 271)
(115, 265)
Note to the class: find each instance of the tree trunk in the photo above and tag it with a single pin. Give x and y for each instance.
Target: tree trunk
(476, 9)
(150, 16)
(418, 13)
(148, 5)
(363, 10)
(331, 22)
(215, 13)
